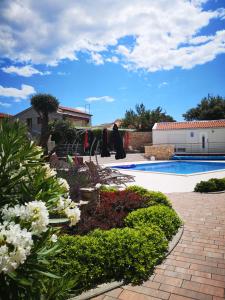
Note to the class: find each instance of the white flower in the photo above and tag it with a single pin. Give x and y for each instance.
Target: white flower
(64, 183)
(54, 238)
(34, 212)
(73, 214)
(98, 185)
(48, 171)
(37, 213)
(64, 203)
(15, 246)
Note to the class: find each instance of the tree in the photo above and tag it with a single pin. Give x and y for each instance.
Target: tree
(210, 108)
(44, 104)
(144, 119)
(63, 132)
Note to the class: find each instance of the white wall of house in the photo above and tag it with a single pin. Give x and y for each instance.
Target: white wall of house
(198, 140)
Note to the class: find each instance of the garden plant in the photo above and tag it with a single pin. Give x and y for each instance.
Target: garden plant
(211, 185)
(29, 193)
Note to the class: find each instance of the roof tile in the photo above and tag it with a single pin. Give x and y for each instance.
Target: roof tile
(190, 125)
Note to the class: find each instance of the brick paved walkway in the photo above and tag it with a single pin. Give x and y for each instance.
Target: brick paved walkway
(196, 267)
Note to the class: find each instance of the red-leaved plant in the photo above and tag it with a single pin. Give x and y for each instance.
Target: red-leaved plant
(109, 211)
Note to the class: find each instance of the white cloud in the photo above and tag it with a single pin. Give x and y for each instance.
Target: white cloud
(25, 71)
(97, 58)
(5, 104)
(102, 98)
(17, 94)
(165, 34)
(62, 73)
(162, 84)
(113, 59)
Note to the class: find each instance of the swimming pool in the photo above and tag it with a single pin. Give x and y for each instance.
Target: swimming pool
(175, 167)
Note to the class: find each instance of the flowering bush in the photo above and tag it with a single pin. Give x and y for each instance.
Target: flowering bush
(29, 193)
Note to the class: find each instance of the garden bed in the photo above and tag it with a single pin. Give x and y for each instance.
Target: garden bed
(120, 237)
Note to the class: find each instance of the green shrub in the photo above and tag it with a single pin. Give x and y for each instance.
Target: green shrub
(212, 185)
(105, 188)
(160, 215)
(150, 197)
(118, 254)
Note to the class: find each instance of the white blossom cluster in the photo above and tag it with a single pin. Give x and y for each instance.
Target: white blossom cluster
(34, 213)
(15, 246)
(48, 171)
(70, 209)
(64, 183)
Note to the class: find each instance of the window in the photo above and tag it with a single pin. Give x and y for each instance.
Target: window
(192, 134)
(29, 123)
(203, 142)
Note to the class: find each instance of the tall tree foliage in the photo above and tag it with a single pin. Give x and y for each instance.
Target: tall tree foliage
(210, 108)
(144, 119)
(44, 104)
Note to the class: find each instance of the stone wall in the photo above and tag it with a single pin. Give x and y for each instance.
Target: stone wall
(160, 152)
(137, 140)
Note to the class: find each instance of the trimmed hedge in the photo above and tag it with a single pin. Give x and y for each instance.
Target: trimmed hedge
(212, 185)
(126, 254)
(150, 197)
(160, 215)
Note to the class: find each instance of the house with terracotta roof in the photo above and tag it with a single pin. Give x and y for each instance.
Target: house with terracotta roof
(191, 137)
(31, 118)
(4, 116)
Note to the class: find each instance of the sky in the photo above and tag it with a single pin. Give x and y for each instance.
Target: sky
(109, 55)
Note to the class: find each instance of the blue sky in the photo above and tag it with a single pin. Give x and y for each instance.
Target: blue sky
(112, 55)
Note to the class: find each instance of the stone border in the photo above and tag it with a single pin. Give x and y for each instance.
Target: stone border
(106, 287)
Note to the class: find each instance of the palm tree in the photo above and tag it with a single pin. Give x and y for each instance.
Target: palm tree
(44, 104)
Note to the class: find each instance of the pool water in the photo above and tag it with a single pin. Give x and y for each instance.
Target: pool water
(176, 167)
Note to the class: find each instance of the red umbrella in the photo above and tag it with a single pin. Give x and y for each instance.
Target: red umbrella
(86, 144)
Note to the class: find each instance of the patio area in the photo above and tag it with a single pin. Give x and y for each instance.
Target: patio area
(196, 267)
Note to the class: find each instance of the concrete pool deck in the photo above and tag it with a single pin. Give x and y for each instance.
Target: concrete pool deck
(166, 183)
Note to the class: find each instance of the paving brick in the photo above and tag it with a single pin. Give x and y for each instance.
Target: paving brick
(114, 293)
(203, 288)
(208, 269)
(218, 277)
(148, 291)
(177, 297)
(208, 281)
(130, 295)
(168, 280)
(109, 298)
(178, 263)
(177, 275)
(185, 292)
(151, 284)
(193, 272)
